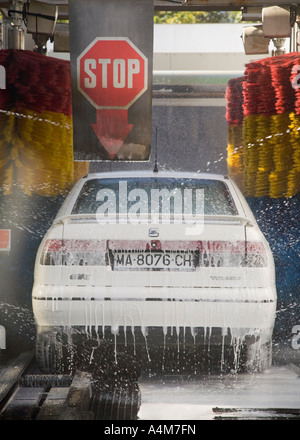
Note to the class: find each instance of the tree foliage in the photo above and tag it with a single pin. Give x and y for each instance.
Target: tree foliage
(181, 17)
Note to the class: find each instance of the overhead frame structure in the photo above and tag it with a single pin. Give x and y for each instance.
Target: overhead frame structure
(218, 5)
(12, 11)
(189, 5)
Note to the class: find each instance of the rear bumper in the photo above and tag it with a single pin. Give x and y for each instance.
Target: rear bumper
(246, 310)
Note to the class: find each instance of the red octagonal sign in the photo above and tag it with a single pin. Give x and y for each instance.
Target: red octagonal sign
(112, 73)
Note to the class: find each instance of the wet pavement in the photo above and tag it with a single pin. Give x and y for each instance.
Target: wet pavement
(273, 394)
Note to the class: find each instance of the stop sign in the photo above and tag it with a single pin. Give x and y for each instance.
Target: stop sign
(112, 73)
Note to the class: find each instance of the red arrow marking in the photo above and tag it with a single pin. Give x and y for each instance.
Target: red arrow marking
(112, 129)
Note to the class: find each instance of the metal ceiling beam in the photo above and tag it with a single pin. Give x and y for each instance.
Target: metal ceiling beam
(240, 3)
(178, 5)
(196, 5)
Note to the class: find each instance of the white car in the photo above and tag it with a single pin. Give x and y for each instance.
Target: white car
(155, 260)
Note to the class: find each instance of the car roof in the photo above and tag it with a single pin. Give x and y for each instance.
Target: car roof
(159, 174)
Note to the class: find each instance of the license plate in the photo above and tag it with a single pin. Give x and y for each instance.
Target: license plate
(181, 261)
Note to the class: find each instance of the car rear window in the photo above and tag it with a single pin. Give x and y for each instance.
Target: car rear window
(138, 195)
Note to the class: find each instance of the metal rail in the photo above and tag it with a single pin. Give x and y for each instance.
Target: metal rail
(26, 394)
(256, 414)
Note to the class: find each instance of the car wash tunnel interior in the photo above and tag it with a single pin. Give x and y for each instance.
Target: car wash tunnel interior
(37, 169)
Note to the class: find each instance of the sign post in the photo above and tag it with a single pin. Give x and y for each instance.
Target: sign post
(111, 45)
(112, 74)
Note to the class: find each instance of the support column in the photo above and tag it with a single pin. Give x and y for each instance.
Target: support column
(16, 38)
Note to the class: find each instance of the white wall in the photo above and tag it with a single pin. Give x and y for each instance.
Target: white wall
(197, 47)
(229, 61)
(201, 47)
(201, 38)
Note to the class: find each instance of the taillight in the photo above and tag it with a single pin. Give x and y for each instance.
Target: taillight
(73, 253)
(256, 255)
(232, 254)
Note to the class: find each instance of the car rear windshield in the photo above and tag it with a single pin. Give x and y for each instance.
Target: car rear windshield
(162, 195)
